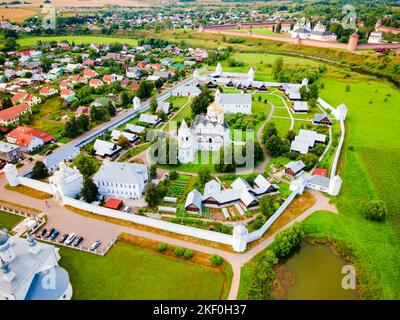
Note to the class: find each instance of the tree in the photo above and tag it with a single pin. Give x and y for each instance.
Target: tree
(310, 160)
(268, 131)
(6, 103)
(313, 91)
(125, 98)
(153, 105)
(287, 240)
(277, 67)
(111, 109)
(144, 89)
(89, 190)
(267, 205)
(261, 276)
(153, 195)
(216, 260)
(39, 171)
(83, 122)
(312, 103)
(374, 210)
(291, 135)
(86, 164)
(304, 93)
(10, 44)
(153, 171)
(158, 83)
(123, 141)
(274, 145)
(204, 175)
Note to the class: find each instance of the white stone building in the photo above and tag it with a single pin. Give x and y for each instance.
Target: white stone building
(208, 132)
(66, 182)
(124, 180)
(234, 102)
(30, 271)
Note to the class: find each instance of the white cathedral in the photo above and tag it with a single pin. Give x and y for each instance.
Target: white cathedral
(208, 132)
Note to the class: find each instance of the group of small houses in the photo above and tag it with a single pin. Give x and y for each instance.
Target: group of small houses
(13, 81)
(14, 77)
(241, 195)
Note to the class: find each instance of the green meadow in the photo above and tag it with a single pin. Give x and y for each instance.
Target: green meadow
(131, 273)
(369, 169)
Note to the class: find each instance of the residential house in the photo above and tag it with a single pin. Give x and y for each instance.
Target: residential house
(300, 107)
(292, 169)
(134, 72)
(47, 91)
(29, 139)
(322, 119)
(95, 83)
(193, 202)
(66, 93)
(115, 134)
(9, 152)
(11, 115)
(106, 149)
(89, 73)
(149, 119)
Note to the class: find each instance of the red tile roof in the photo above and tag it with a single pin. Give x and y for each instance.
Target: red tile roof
(18, 96)
(45, 90)
(23, 135)
(13, 112)
(113, 203)
(320, 172)
(89, 73)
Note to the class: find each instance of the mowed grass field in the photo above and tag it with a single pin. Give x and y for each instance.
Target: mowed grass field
(31, 41)
(128, 272)
(371, 171)
(8, 220)
(262, 62)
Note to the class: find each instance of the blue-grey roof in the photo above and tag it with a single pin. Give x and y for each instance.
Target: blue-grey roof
(41, 288)
(60, 155)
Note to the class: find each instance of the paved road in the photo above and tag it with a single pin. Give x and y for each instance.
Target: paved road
(66, 221)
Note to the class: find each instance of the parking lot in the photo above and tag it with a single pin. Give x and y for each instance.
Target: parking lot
(91, 230)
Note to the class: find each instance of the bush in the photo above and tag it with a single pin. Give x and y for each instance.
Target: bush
(188, 254)
(216, 260)
(374, 210)
(287, 240)
(173, 175)
(179, 251)
(162, 247)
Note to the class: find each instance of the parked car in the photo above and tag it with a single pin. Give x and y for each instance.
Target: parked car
(50, 232)
(78, 241)
(54, 235)
(70, 238)
(95, 245)
(127, 209)
(48, 152)
(43, 232)
(63, 238)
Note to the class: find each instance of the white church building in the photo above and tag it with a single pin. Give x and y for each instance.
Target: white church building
(30, 270)
(208, 132)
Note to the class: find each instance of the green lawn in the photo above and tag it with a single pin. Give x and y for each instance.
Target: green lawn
(8, 220)
(128, 272)
(30, 41)
(368, 172)
(49, 117)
